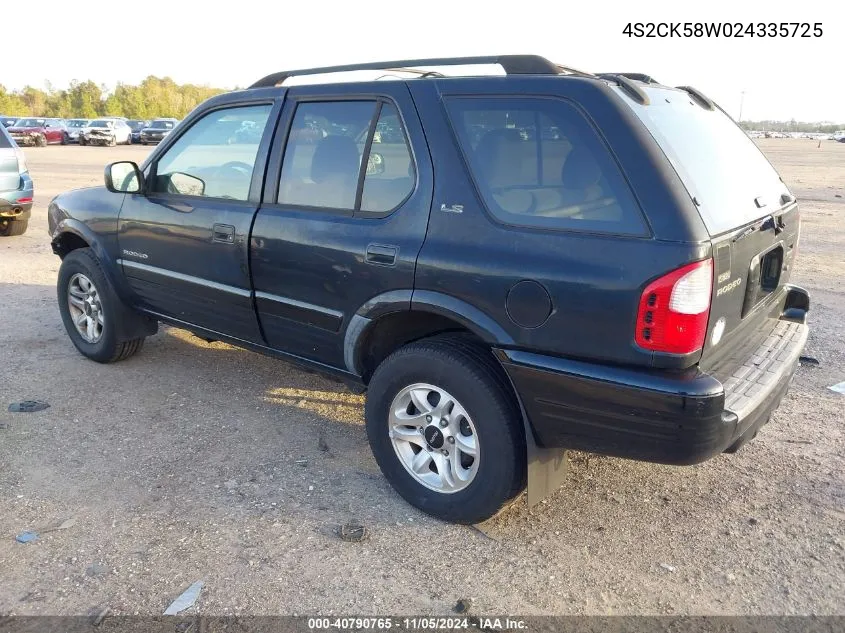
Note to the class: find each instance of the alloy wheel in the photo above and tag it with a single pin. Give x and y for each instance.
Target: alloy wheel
(434, 438)
(86, 311)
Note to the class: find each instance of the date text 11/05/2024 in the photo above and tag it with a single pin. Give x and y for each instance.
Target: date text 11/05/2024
(418, 624)
(723, 29)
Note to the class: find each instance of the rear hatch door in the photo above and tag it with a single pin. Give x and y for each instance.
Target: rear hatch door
(749, 212)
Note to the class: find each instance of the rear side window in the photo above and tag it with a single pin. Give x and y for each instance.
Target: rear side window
(324, 161)
(537, 162)
(323, 155)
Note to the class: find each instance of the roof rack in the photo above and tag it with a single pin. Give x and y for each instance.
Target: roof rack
(646, 79)
(628, 86)
(698, 97)
(575, 71)
(512, 64)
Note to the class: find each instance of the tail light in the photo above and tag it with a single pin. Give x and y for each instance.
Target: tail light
(674, 310)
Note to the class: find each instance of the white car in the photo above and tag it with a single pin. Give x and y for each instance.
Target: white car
(106, 132)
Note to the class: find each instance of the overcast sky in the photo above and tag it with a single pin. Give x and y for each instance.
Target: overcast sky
(230, 44)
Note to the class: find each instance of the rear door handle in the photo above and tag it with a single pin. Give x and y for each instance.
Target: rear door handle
(381, 255)
(223, 233)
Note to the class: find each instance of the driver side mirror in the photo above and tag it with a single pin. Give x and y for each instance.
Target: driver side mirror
(124, 177)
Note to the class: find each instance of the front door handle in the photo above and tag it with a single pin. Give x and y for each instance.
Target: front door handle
(223, 233)
(381, 255)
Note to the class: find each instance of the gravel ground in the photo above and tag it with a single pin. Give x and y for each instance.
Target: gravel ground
(185, 463)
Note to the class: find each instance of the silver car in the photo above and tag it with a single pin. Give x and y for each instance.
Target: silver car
(16, 189)
(74, 127)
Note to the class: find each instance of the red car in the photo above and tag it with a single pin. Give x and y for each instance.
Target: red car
(39, 132)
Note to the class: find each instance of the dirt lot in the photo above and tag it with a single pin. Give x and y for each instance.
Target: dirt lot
(181, 465)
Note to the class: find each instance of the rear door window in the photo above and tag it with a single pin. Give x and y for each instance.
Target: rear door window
(336, 159)
(538, 162)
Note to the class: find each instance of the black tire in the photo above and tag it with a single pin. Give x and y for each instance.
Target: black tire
(82, 141)
(472, 376)
(41, 141)
(107, 349)
(14, 227)
(64, 139)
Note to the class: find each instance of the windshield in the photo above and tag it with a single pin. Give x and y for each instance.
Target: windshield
(162, 125)
(136, 125)
(77, 123)
(101, 124)
(30, 123)
(723, 170)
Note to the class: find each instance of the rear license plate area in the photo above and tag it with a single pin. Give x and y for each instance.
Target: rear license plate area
(764, 274)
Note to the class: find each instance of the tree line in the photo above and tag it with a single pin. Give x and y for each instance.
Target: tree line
(153, 97)
(792, 126)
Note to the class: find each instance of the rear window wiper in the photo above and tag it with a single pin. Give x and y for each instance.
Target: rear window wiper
(745, 233)
(769, 222)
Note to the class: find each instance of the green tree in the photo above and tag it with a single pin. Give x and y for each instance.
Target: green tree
(153, 97)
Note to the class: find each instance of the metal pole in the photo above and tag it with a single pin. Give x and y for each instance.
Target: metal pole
(741, 101)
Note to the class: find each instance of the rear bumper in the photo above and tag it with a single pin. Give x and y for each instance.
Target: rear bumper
(11, 209)
(663, 417)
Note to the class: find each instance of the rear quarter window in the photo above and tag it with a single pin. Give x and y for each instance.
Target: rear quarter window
(537, 162)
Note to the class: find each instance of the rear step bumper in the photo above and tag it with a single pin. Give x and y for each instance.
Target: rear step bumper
(651, 416)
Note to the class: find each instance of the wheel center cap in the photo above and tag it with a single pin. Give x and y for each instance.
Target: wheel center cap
(433, 436)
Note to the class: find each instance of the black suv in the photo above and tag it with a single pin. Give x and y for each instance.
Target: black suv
(510, 265)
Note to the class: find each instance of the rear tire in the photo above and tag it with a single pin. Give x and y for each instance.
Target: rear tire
(482, 414)
(103, 347)
(14, 227)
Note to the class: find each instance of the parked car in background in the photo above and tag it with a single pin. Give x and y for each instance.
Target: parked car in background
(39, 131)
(16, 189)
(157, 130)
(136, 125)
(8, 121)
(106, 132)
(74, 127)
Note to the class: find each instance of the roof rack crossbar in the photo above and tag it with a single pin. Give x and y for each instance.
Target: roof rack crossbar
(646, 79)
(698, 97)
(574, 71)
(628, 86)
(512, 64)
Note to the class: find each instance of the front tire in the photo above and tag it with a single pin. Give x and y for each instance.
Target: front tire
(445, 429)
(90, 309)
